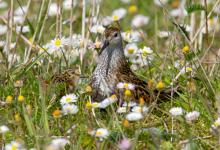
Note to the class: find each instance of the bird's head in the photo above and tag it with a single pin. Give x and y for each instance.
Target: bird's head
(112, 38)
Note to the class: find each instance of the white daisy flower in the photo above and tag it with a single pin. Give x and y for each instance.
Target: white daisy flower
(97, 29)
(101, 133)
(128, 86)
(59, 143)
(163, 34)
(146, 51)
(3, 4)
(140, 109)
(134, 116)
(55, 46)
(69, 98)
(20, 11)
(106, 21)
(139, 21)
(118, 14)
(158, 2)
(69, 109)
(130, 50)
(178, 12)
(121, 110)
(108, 101)
(176, 111)
(67, 4)
(129, 104)
(4, 129)
(52, 9)
(126, 1)
(18, 19)
(191, 116)
(14, 146)
(3, 30)
(25, 29)
(132, 36)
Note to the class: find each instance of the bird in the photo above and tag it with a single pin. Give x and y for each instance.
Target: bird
(69, 77)
(113, 68)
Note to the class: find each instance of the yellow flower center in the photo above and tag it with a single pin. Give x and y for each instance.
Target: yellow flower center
(130, 50)
(141, 101)
(113, 97)
(57, 42)
(68, 99)
(126, 85)
(17, 117)
(88, 105)
(132, 9)
(217, 124)
(9, 99)
(160, 85)
(115, 18)
(20, 98)
(13, 147)
(126, 123)
(127, 93)
(186, 49)
(56, 113)
(99, 133)
(188, 69)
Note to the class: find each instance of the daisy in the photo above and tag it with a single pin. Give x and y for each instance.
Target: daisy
(121, 110)
(124, 144)
(127, 86)
(59, 143)
(132, 36)
(145, 51)
(102, 133)
(106, 21)
(67, 4)
(3, 30)
(140, 21)
(69, 98)
(14, 146)
(108, 101)
(176, 111)
(52, 9)
(140, 109)
(130, 50)
(97, 29)
(126, 1)
(25, 29)
(134, 116)
(4, 129)
(158, 2)
(56, 45)
(178, 12)
(191, 116)
(20, 11)
(3, 4)
(18, 20)
(129, 104)
(163, 34)
(118, 14)
(69, 109)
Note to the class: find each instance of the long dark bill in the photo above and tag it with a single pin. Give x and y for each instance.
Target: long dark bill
(106, 43)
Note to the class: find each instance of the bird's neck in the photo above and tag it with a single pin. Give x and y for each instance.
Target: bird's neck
(111, 58)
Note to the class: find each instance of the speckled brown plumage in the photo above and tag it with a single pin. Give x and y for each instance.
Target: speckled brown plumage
(69, 77)
(113, 68)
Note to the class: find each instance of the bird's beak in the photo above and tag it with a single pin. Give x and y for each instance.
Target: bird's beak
(106, 43)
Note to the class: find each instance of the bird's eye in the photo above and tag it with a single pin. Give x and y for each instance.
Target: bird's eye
(116, 34)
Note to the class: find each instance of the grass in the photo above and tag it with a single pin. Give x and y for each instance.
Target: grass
(32, 122)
